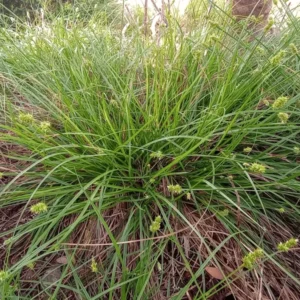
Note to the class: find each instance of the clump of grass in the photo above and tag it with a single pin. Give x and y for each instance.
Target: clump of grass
(116, 134)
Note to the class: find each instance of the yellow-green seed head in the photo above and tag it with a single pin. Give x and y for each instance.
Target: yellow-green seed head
(157, 154)
(3, 275)
(283, 117)
(175, 189)
(94, 266)
(281, 210)
(257, 168)
(297, 150)
(212, 40)
(250, 259)
(276, 59)
(260, 50)
(247, 149)
(269, 25)
(266, 102)
(45, 126)
(293, 48)
(155, 225)
(26, 118)
(1, 175)
(287, 245)
(39, 208)
(280, 102)
(30, 265)
(292, 242)
(258, 253)
(223, 213)
(158, 219)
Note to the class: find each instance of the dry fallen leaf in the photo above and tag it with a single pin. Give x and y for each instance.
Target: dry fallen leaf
(62, 260)
(214, 272)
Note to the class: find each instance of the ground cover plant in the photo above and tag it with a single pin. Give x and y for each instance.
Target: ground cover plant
(132, 169)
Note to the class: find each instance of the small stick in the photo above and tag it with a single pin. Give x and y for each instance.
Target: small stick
(155, 6)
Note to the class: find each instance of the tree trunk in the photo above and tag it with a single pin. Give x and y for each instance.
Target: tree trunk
(259, 8)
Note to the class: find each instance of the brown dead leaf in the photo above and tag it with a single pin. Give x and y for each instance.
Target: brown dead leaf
(214, 272)
(62, 260)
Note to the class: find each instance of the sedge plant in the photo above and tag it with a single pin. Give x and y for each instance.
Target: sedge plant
(144, 164)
